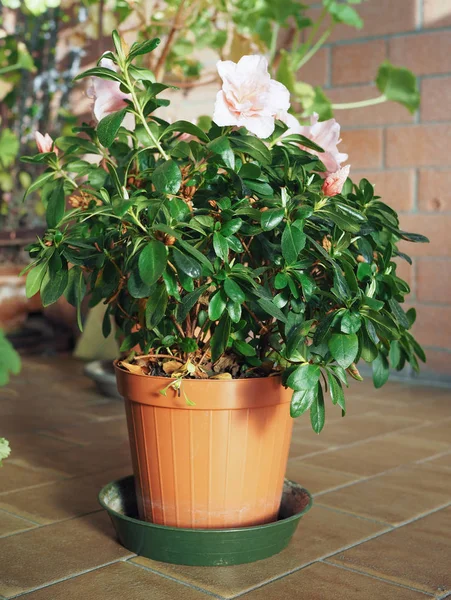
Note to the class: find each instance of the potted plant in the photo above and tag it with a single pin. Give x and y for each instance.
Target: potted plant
(246, 272)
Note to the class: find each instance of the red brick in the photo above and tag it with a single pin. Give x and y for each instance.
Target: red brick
(396, 188)
(437, 361)
(355, 63)
(364, 147)
(436, 99)
(315, 71)
(436, 13)
(380, 17)
(423, 53)
(434, 191)
(435, 227)
(433, 281)
(433, 325)
(380, 114)
(418, 146)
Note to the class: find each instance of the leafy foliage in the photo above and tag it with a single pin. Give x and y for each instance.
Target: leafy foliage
(221, 252)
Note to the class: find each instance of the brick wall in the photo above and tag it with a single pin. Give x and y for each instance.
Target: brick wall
(407, 157)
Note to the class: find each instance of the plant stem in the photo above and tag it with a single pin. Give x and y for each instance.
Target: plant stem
(315, 48)
(139, 113)
(361, 103)
(169, 41)
(315, 28)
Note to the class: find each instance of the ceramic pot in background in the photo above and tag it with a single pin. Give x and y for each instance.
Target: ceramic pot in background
(219, 463)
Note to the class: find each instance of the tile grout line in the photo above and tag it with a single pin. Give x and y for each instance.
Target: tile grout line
(351, 514)
(73, 576)
(170, 578)
(395, 583)
(18, 517)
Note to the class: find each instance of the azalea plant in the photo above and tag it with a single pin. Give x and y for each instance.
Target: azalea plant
(238, 250)
(10, 363)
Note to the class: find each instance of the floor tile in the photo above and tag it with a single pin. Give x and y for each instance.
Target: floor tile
(326, 582)
(417, 555)
(396, 496)
(316, 479)
(439, 432)
(319, 533)
(15, 477)
(80, 460)
(301, 448)
(107, 431)
(12, 524)
(378, 455)
(349, 429)
(121, 581)
(441, 461)
(62, 499)
(47, 554)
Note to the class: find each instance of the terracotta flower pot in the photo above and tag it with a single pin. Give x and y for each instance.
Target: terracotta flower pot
(215, 464)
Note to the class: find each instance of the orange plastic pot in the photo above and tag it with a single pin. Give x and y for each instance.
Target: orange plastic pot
(219, 463)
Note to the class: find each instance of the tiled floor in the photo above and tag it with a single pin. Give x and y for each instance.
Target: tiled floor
(380, 527)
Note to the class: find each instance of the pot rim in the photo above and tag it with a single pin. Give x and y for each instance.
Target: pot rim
(168, 380)
(276, 523)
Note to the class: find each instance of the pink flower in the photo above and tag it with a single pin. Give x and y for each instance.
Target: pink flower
(109, 98)
(326, 134)
(333, 184)
(249, 97)
(44, 142)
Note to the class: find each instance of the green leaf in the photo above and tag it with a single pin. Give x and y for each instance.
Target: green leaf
(321, 105)
(56, 205)
(293, 241)
(244, 348)
(269, 307)
(285, 71)
(55, 280)
(152, 262)
(109, 126)
(253, 147)
(186, 127)
(10, 360)
(399, 85)
(350, 322)
(167, 178)
(186, 263)
(9, 147)
(172, 286)
(220, 246)
(39, 182)
(138, 49)
(137, 287)
(106, 323)
(188, 301)
(318, 411)
(197, 255)
(76, 291)
(336, 391)
(220, 337)
(234, 310)
(398, 313)
(381, 370)
(231, 227)
(101, 72)
(233, 291)
(156, 306)
(271, 218)
(34, 279)
(344, 348)
(343, 13)
(395, 354)
(304, 377)
(221, 146)
(302, 400)
(217, 305)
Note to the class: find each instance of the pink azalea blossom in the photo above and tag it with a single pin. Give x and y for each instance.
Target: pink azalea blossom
(44, 142)
(326, 134)
(249, 97)
(109, 98)
(333, 184)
